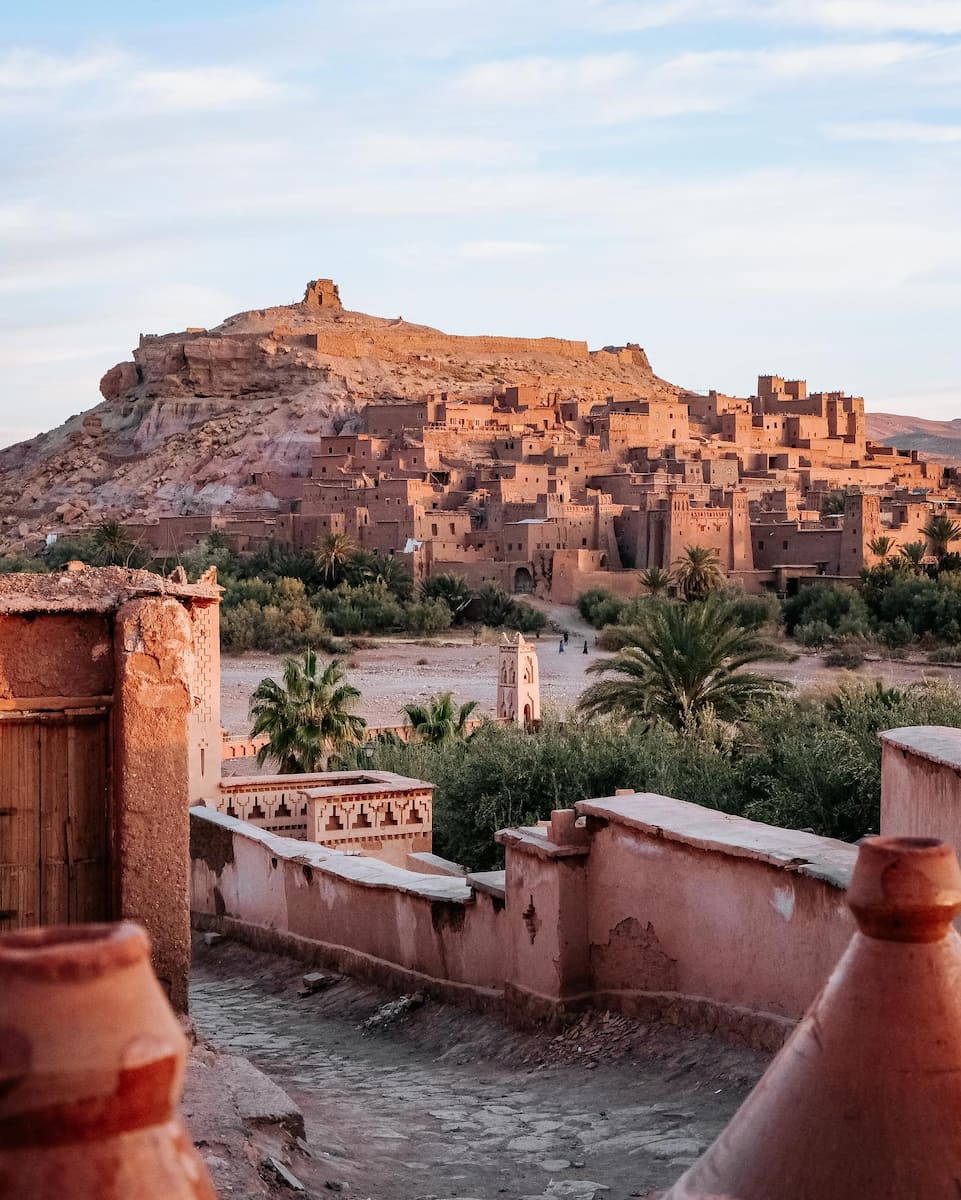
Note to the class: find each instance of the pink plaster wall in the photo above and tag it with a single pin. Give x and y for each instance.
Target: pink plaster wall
(369, 916)
(657, 907)
(921, 783)
(668, 917)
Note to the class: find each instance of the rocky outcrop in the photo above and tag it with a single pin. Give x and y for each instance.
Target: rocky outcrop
(187, 424)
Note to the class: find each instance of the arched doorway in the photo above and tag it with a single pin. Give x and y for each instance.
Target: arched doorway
(523, 580)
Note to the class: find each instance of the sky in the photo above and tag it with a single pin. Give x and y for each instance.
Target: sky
(740, 186)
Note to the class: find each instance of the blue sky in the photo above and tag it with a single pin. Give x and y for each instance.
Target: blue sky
(740, 186)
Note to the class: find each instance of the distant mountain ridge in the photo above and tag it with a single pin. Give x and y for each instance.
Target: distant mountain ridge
(940, 440)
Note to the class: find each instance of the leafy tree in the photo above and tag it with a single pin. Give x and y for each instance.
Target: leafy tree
(439, 720)
(332, 557)
(698, 572)
(882, 547)
(307, 717)
(941, 531)
(656, 581)
(684, 659)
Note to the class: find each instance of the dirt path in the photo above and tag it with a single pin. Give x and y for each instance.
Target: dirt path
(391, 671)
(447, 1104)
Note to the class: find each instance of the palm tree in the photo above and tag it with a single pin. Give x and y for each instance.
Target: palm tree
(452, 589)
(941, 531)
(698, 572)
(655, 580)
(366, 567)
(913, 555)
(113, 546)
(882, 547)
(683, 659)
(307, 717)
(496, 606)
(439, 720)
(335, 552)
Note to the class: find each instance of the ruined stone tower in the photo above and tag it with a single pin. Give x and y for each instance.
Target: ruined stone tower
(518, 682)
(322, 293)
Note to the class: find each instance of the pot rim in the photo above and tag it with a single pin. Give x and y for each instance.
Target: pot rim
(72, 952)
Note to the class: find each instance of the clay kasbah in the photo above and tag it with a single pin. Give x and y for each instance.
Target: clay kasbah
(535, 464)
(258, 982)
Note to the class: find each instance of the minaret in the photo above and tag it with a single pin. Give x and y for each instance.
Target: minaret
(518, 683)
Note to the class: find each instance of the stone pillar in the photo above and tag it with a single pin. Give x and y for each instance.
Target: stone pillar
(151, 780)
(548, 956)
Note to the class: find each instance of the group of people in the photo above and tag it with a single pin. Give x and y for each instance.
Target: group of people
(565, 636)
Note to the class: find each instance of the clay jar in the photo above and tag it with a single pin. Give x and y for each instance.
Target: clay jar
(864, 1100)
(91, 1068)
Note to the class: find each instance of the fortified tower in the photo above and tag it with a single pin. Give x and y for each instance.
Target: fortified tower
(862, 523)
(322, 293)
(518, 683)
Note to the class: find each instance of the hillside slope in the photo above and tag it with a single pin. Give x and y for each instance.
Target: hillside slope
(194, 415)
(940, 440)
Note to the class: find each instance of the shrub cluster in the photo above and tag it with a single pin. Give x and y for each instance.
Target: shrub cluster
(804, 762)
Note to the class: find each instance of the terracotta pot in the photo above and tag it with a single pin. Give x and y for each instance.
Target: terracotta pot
(91, 1068)
(864, 1100)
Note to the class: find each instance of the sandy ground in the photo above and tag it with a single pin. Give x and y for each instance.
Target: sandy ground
(392, 671)
(445, 1103)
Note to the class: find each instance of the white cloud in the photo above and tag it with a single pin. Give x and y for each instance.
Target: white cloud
(910, 132)
(111, 79)
(27, 70)
(482, 250)
(623, 86)
(200, 89)
(415, 150)
(939, 17)
(918, 16)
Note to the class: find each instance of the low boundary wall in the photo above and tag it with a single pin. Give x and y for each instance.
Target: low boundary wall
(638, 903)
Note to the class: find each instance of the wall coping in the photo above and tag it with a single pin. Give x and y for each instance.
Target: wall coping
(532, 839)
(939, 744)
(93, 590)
(494, 883)
(821, 858)
(367, 872)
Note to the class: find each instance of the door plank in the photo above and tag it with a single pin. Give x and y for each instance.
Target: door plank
(19, 823)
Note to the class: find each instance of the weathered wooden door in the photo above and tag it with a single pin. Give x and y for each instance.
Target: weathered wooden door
(54, 818)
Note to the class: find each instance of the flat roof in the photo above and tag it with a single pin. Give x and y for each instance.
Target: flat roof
(93, 590)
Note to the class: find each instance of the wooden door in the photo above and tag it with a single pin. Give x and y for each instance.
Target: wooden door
(55, 829)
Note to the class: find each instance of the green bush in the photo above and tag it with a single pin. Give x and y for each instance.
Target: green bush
(848, 653)
(832, 606)
(600, 607)
(814, 634)
(525, 618)
(805, 762)
(427, 616)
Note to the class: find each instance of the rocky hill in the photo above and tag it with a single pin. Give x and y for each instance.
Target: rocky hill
(937, 440)
(187, 423)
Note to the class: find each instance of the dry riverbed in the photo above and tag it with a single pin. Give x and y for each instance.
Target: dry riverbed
(389, 672)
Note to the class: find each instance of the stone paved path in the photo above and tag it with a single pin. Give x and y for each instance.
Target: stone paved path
(435, 1112)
